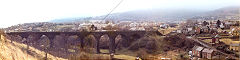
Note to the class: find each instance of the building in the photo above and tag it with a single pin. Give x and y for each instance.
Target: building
(197, 30)
(234, 46)
(227, 25)
(179, 31)
(205, 29)
(207, 53)
(235, 31)
(197, 51)
(215, 39)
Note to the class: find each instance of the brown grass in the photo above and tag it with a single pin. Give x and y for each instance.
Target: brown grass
(17, 51)
(88, 56)
(228, 41)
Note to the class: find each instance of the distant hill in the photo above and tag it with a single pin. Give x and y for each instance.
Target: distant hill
(162, 14)
(63, 20)
(226, 11)
(156, 14)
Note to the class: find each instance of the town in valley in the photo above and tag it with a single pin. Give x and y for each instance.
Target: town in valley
(171, 32)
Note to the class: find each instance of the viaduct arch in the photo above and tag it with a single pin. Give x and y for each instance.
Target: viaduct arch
(127, 36)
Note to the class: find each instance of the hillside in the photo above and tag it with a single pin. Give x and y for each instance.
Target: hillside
(137, 15)
(154, 14)
(14, 50)
(226, 11)
(165, 15)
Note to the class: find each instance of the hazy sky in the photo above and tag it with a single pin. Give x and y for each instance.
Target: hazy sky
(23, 11)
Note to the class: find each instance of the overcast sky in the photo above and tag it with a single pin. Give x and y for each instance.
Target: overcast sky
(24, 11)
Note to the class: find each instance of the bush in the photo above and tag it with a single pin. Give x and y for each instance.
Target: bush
(151, 43)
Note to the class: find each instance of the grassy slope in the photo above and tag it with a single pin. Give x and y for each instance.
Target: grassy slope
(126, 55)
(167, 31)
(14, 50)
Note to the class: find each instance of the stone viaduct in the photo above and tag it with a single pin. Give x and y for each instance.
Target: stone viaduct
(125, 35)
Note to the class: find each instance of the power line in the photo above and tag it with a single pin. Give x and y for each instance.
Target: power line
(112, 9)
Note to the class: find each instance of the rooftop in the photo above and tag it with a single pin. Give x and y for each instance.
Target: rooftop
(198, 48)
(207, 50)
